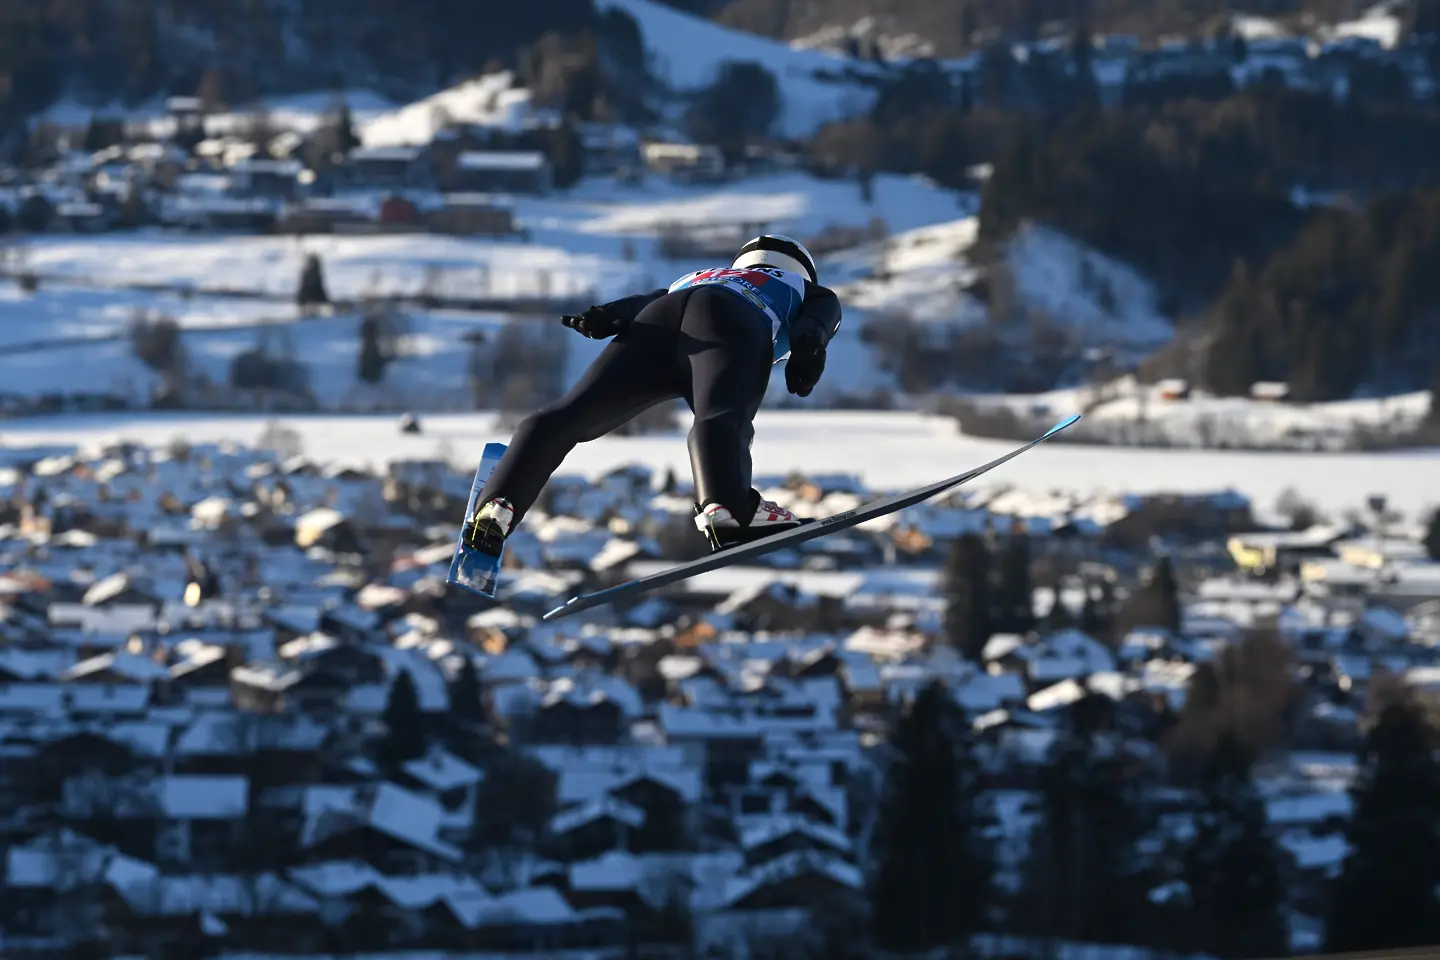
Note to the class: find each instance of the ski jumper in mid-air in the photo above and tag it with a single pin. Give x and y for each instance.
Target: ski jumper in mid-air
(710, 338)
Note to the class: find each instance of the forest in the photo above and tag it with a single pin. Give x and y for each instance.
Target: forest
(1288, 232)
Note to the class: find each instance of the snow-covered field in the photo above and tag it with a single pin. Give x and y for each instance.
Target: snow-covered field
(597, 241)
(578, 239)
(1123, 411)
(887, 450)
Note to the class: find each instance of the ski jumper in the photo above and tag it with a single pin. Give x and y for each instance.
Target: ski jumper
(711, 338)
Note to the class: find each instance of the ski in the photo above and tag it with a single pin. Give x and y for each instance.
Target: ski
(791, 537)
(473, 569)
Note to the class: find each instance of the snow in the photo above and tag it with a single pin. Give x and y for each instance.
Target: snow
(687, 53)
(1073, 286)
(1255, 28)
(1125, 409)
(491, 100)
(577, 248)
(926, 273)
(302, 112)
(888, 450)
(1379, 24)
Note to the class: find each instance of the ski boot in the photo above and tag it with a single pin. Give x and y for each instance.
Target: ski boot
(486, 531)
(722, 530)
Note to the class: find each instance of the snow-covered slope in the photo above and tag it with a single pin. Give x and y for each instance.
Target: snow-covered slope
(1095, 297)
(926, 273)
(598, 241)
(491, 100)
(687, 52)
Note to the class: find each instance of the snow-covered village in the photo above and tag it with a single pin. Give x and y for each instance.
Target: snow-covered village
(1163, 688)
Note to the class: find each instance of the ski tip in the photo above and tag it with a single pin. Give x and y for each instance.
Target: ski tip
(493, 451)
(564, 609)
(1073, 418)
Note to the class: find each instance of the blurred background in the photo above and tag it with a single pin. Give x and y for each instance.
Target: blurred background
(273, 272)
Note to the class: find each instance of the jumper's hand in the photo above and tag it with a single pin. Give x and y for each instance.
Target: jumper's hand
(806, 364)
(596, 323)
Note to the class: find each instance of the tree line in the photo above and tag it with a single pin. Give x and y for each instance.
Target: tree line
(137, 49)
(954, 29)
(1285, 230)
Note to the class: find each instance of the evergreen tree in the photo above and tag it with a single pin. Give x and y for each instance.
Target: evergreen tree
(934, 871)
(1093, 619)
(1059, 617)
(465, 699)
(567, 156)
(968, 624)
(1385, 896)
(1432, 536)
(1017, 613)
(311, 291)
(1233, 864)
(370, 362)
(515, 802)
(1155, 604)
(1086, 880)
(346, 139)
(405, 735)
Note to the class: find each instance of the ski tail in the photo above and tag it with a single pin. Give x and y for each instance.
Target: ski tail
(469, 568)
(795, 536)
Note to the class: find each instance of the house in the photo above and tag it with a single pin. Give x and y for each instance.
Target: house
(326, 215)
(473, 215)
(386, 168)
(254, 177)
(684, 162)
(702, 762)
(500, 171)
(399, 213)
(182, 820)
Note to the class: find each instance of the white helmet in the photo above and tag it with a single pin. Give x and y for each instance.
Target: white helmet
(773, 250)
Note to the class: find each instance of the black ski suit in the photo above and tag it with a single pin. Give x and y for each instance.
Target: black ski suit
(707, 344)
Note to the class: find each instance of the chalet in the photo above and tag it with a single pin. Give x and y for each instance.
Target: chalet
(322, 653)
(85, 217)
(326, 215)
(591, 829)
(399, 213)
(471, 214)
(181, 820)
(253, 177)
(500, 171)
(267, 688)
(217, 213)
(386, 168)
(1271, 552)
(684, 162)
(393, 829)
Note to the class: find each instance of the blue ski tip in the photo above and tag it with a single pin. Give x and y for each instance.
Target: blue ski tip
(1061, 425)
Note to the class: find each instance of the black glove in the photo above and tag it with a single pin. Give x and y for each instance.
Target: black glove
(597, 323)
(806, 363)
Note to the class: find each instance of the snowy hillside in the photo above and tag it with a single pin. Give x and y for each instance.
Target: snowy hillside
(687, 52)
(599, 241)
(927, 274)
(490, 100)
(1097, 299)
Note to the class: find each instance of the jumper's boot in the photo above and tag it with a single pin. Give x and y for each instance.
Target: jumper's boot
(723, 530)
(487, 530)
